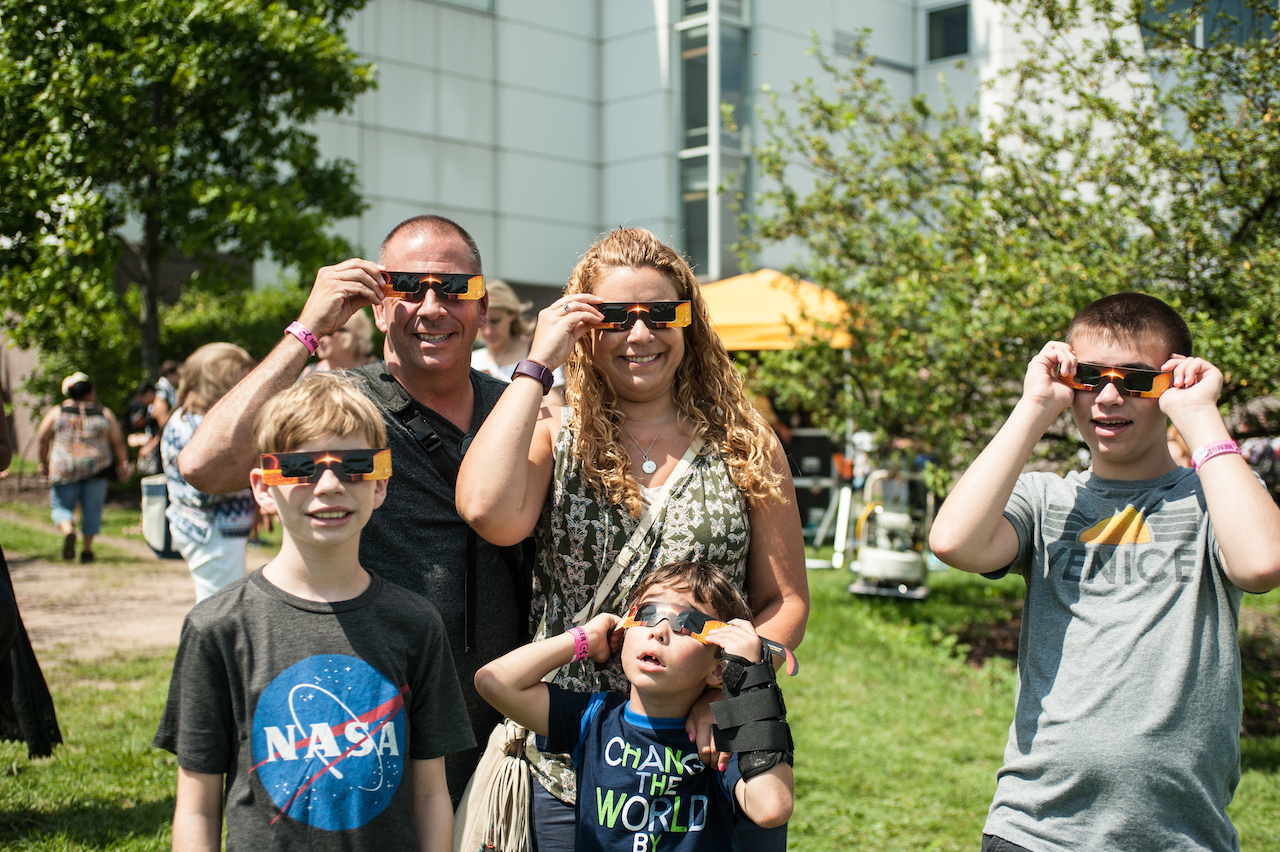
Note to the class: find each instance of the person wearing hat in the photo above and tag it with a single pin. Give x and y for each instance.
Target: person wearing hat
(77, 442)
(506, 337)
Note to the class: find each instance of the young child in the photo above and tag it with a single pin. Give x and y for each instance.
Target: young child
(1125, 733)
(326, 696)
(641, 786)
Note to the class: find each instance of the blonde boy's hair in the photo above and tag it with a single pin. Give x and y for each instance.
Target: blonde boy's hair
(325, 403)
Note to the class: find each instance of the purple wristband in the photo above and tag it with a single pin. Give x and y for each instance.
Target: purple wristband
(303, 334)
(580, 645)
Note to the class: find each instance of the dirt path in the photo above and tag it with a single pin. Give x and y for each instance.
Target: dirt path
(128, 603)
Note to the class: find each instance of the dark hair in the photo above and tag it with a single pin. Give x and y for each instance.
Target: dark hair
(432, 224)
(169, 367)
(708, 584)
(143, 388)
(80, 391)
(1133, 317)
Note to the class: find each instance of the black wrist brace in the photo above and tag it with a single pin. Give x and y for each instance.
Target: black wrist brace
(751, 720)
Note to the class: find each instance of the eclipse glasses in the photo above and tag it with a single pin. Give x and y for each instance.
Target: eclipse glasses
(346, 465)
(413, 286)
(690, 622)
(623, 315)
(1148, 384)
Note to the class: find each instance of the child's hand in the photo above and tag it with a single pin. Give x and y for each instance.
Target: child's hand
(1195, 382)
(1041, 383)
(604, 639)
(738, 638)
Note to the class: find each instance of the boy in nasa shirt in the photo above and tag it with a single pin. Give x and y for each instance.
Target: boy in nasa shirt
(325, 695)
(641, 786)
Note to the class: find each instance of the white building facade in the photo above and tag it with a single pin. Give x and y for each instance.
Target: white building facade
(541, 124)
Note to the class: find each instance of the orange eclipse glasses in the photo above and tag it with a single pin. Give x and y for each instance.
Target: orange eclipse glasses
(619, 316)
(347, 466)
(690, 622)
(413, 286)
(1148, 384)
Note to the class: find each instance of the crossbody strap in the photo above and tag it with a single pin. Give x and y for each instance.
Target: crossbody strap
(629, 550)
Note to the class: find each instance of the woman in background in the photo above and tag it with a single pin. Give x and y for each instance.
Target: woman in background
(77, 441)
(211, 531)
(506, 339)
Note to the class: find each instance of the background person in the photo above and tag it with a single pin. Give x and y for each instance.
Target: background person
(77, 441)
(506, 338)
(347, 348)
(210, 530)
(580, 476)
(166, 393)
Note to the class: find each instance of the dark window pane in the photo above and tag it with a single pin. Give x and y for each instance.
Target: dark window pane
(694, 210)
(733, 84)
(733, 177)
(949, 32)
(693, 74)
(693, 8)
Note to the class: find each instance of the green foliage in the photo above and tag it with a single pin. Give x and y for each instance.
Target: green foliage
(182, 121)
(964, 242)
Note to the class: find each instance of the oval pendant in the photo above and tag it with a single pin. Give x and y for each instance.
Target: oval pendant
(649, 466)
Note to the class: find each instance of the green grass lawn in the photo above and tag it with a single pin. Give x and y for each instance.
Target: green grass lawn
(897, 739)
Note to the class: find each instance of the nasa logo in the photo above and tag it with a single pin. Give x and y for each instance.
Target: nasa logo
(329, 742)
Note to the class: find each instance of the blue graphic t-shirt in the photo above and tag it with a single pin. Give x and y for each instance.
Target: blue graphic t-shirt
(641, 786)
(314, 711)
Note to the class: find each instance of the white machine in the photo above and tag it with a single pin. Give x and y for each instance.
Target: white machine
(892, 536)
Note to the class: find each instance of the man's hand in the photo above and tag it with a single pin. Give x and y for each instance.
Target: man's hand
(1041, 385)
(341, 290)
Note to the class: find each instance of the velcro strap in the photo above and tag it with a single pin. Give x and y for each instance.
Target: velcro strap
(749, 707)
(765, 735)
(738, 674)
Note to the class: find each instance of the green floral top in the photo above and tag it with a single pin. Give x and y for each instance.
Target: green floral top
(579, 536)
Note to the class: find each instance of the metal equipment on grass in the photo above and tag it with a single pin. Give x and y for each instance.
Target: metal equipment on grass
(892, 536)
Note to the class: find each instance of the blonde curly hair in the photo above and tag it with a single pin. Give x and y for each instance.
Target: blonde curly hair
(706, 383)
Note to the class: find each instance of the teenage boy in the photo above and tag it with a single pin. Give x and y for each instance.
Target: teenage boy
(1125, 733)
(641, 786)
(322, 699)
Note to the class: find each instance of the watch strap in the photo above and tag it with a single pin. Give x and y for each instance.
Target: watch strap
(535, 371)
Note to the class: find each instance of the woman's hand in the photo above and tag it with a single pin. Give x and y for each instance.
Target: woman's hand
(698, 726)
(560, 325)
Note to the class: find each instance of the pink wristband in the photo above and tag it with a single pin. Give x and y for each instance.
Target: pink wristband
(1208, 451)
(580, 645)
(304, 334)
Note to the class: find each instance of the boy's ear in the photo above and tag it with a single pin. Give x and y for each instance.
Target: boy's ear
(716, 678)
(379, 492)
(262, 492)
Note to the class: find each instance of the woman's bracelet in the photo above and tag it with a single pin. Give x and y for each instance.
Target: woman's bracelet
(580, 645)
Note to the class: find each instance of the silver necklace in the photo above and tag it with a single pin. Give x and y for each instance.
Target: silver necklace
(649, 465)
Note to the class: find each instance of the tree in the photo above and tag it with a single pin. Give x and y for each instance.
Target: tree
(159, 130)
(962, 244)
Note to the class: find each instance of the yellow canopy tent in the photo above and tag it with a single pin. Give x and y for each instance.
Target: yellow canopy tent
(759, 309)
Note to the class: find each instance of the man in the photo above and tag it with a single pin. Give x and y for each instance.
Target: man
(416, 538)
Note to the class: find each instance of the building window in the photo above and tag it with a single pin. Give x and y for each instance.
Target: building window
(714, 68)
(949, 32)
(1231, 21)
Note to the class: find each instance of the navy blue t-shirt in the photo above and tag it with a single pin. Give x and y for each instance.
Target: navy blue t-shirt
(641, 786)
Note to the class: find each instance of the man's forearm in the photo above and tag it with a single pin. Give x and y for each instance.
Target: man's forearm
(220, 454)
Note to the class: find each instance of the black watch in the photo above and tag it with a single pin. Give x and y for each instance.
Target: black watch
(537, 372)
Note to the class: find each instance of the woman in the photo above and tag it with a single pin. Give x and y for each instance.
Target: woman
(77, 441)
(506, 339)
(637, 399)
(347, 348)
(210, 531)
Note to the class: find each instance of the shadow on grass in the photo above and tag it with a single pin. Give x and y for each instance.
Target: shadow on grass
(91, 824)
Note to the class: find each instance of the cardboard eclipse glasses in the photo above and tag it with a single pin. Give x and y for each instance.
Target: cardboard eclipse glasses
(413, 286)
(690, 622)
(1148, 384)
(623, 315)
(346, 465)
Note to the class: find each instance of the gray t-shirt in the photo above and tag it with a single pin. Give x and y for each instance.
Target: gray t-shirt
(417, 540)
(1126, 732)
(313, 711)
